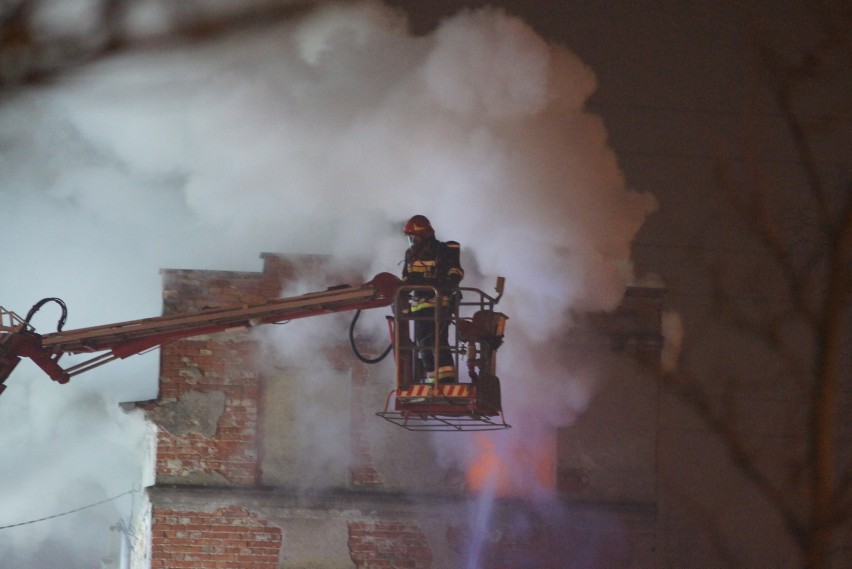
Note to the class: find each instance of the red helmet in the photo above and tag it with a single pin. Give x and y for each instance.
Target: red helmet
(419, 225)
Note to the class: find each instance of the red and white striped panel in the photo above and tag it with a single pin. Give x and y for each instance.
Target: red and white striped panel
(453, 390)
(442, 390)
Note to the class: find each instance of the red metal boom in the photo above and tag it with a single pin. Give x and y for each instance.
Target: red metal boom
(123, 339)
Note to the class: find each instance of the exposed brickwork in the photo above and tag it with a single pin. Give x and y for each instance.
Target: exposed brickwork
(220, 363)
(227, 538)
(209, 364)
(388, 545)
(363, 471)
(185, 290)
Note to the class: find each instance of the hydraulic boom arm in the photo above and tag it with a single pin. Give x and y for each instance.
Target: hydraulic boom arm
(123, 339)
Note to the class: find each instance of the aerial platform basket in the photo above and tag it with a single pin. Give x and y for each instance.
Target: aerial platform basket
(470, 403)
(425, 421)
(445, 407)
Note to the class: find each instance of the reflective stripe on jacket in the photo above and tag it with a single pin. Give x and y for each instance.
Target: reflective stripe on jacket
(436, 264)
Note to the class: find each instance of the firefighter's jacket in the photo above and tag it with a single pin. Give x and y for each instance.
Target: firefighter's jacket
(435, 264)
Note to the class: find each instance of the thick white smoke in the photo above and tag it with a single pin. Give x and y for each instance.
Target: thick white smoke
(318, 136)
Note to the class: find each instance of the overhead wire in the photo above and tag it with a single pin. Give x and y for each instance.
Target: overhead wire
(68, 512)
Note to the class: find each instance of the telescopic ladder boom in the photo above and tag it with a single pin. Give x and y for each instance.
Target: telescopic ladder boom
(120, 340)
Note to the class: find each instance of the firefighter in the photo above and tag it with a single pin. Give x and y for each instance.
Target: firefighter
(434, 263)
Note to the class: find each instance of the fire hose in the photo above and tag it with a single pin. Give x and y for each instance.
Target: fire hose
(355, 351)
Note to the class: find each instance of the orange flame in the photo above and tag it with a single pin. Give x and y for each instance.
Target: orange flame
(515, 469)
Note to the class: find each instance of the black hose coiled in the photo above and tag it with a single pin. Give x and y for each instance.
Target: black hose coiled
(355, 351)
(41, 303)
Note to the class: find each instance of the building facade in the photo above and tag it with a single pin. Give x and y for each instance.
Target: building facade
(263, 462)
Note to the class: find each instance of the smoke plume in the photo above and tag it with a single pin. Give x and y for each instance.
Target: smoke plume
(321, 135)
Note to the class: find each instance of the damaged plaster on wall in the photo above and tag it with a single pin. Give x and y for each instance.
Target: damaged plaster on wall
(194, 412)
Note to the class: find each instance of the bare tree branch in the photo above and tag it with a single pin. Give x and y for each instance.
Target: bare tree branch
(755, 213)
(742, 456)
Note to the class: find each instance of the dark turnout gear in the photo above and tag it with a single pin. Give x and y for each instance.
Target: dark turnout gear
(430, 262)
(434, 264)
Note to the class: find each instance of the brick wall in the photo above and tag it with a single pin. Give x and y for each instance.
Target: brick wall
(225, 538)
(207, 408)
(362, 468)
(208, 411)
(388, 544)
(209, 425)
